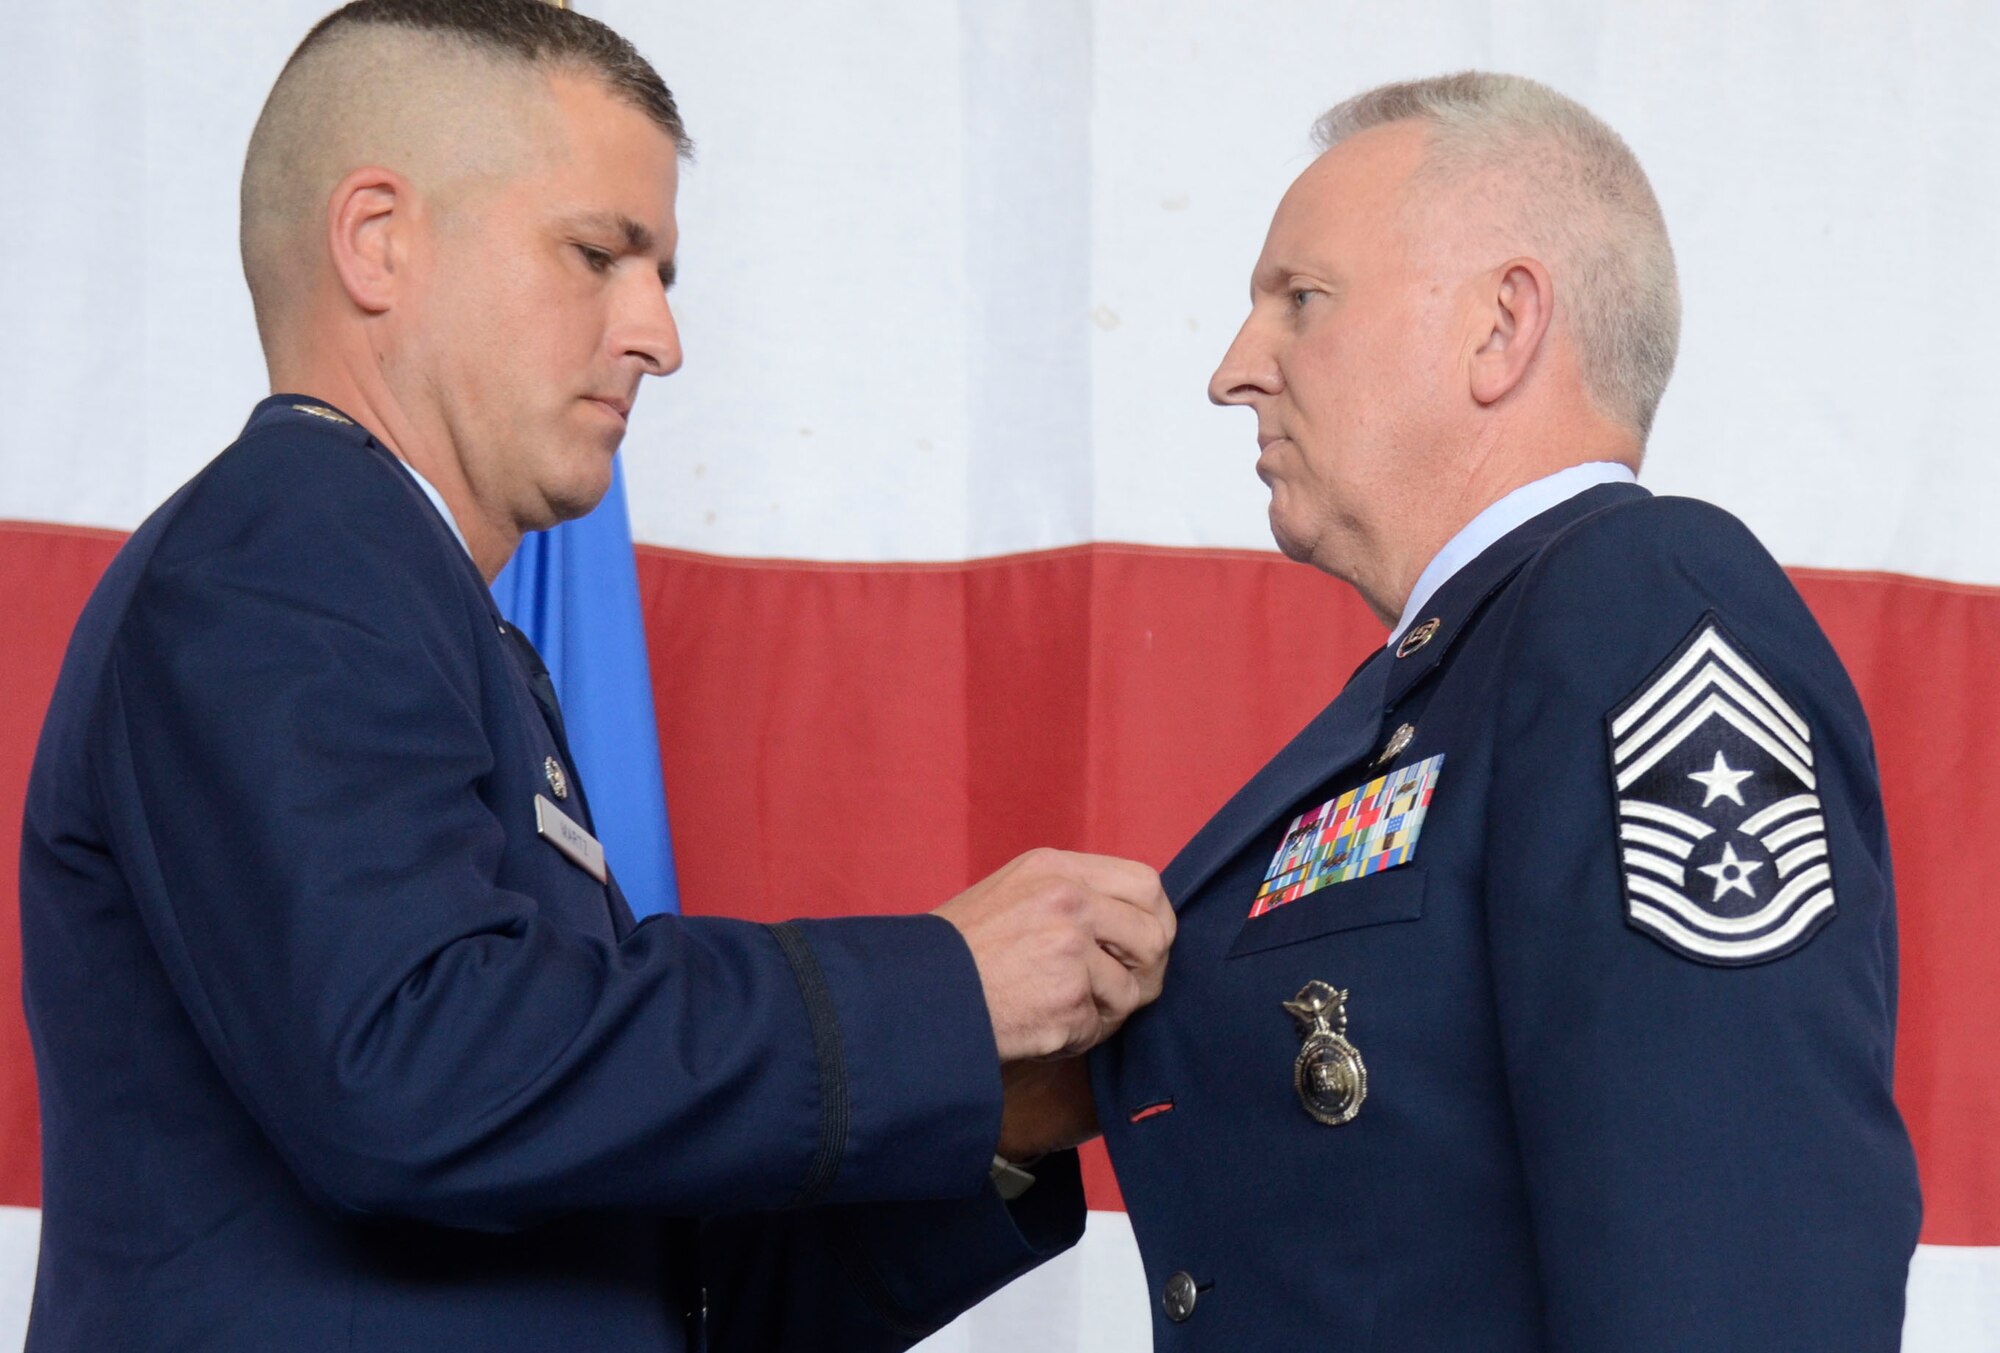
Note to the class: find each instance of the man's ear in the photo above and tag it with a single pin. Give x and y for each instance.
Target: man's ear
(367, 221)
(1515, 315)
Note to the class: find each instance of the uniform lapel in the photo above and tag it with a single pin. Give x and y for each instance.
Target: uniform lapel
(1343, 733)
(533, 670)
(1349, 728)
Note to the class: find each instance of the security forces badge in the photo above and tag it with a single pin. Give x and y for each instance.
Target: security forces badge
(1721, 842)
(1329, 1075)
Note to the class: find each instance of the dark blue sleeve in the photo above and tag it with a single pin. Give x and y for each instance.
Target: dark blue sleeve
(868, 1277)
(1712, 1154)
(287, 753)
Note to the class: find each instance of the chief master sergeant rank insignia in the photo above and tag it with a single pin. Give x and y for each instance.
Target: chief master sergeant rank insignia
(1721, 842)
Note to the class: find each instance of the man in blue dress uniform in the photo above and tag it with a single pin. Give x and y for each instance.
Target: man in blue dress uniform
(346, 1037)
(1540, 995)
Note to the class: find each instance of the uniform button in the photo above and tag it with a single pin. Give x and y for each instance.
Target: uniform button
(1178, 1299)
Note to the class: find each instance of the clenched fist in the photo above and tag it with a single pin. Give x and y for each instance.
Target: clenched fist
(1067, 946)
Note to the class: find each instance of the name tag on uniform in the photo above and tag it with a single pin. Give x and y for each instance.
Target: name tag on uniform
(1363, 831)
(558, 830)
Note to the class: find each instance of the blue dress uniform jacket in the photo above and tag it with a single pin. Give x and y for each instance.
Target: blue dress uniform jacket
(1592, 1120)
(335, 1052)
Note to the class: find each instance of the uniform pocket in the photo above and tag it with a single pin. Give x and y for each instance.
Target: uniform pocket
(1392, 895)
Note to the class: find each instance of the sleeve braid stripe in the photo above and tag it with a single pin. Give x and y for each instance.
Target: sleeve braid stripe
(831, 1059)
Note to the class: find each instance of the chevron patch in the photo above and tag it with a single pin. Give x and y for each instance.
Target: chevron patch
(1721, 841)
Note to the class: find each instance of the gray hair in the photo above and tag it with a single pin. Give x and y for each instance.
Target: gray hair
(1590, 216)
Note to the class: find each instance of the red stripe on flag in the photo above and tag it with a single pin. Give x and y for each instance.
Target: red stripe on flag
(1924, 656)
(857, 738)
(868, 738)
(46, 573)
(850, 739)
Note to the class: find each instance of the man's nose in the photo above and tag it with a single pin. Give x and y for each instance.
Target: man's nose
(650, 333)
(1248, 369)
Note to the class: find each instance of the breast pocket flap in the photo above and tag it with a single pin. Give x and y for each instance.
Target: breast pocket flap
(1392, 895)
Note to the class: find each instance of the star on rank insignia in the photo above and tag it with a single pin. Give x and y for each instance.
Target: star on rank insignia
(1721, 842)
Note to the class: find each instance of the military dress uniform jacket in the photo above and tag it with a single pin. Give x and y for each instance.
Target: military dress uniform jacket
(1613, 1071)
(336, 1052)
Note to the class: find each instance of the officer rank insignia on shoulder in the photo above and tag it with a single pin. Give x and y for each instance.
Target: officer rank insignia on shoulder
(1721, 842)
(1363, 831)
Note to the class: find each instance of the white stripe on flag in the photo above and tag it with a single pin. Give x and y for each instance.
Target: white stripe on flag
(1091, 1300)
(1954, 1300)
(20, 1231)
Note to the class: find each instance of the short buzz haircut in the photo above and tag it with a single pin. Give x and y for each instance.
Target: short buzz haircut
(533, 32)
(1587, 210)
(463, 64)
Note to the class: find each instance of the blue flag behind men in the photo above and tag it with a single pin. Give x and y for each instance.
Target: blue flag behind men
(575, 592)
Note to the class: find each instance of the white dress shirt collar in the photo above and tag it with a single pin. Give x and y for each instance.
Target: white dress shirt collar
(437, 501)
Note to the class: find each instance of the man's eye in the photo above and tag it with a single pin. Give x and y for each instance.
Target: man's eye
(1300, 297)
(599, 260)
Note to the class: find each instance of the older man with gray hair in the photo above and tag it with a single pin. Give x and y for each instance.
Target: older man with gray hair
(1541, 993)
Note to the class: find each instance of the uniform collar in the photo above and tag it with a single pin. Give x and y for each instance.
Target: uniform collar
(304, 410)
(1421, 647)
(1500, 517)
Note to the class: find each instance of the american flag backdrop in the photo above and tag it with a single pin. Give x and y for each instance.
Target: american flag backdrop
(942, 553)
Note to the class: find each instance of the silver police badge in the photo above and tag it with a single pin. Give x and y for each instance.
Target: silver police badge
(1329, 1075)
(1721, 840)
(557, 780)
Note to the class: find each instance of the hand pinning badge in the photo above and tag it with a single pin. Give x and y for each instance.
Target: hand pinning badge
(1329, 1074)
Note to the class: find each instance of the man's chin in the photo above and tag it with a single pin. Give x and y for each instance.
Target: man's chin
(576, 498)
(571, 506)
(1290, 543)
